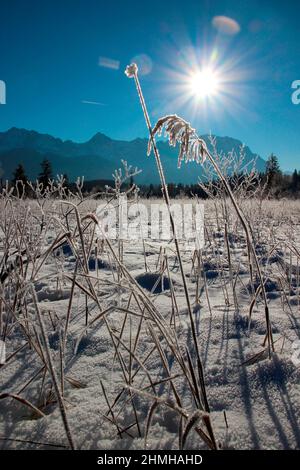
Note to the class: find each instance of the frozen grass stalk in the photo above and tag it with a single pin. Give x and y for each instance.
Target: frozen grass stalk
(53, 372)
(132, 72)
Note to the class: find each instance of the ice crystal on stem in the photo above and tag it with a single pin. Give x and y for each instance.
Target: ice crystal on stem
(131, 70)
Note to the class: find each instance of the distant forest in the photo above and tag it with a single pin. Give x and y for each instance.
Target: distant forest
(273, 182)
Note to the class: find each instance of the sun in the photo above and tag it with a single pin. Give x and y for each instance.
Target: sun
(204, 83)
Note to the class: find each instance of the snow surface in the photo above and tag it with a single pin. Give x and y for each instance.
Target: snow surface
(261, 399)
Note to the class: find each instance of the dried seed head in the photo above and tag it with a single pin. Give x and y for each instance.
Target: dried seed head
(131, 70)
(192, 148)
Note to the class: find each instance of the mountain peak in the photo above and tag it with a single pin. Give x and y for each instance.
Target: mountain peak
(99, 137)
(18, 131)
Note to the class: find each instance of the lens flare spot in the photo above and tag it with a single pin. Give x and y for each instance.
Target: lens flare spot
(226, 25)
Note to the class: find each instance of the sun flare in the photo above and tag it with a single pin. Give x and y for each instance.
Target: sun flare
(204, 83)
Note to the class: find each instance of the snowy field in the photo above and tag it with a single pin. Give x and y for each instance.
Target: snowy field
(109, 323)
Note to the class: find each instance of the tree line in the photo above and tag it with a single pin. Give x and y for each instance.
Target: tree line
(275, 182)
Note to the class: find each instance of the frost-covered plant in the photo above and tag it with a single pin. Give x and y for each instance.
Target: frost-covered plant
(122, 176)
(180, 131)
(191, 148)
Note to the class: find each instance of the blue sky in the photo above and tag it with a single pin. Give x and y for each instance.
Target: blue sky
(50, 52)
